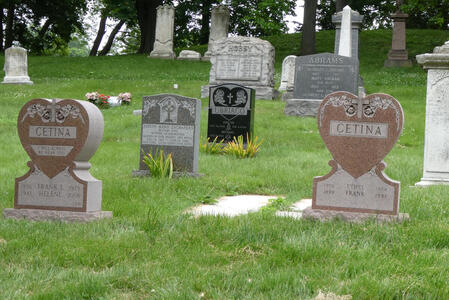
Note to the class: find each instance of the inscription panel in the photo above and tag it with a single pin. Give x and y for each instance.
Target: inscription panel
(60, 191)
(319, 75)
(238, 68)
(51, 150)
(341, 190)
(167, 135)
(358, 129)
(437, 111)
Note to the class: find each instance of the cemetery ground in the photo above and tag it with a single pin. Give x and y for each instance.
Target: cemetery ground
(152, 249)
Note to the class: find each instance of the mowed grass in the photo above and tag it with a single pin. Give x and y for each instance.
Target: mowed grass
(151, 249)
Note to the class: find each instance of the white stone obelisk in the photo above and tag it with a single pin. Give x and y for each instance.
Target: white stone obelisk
(345, 47)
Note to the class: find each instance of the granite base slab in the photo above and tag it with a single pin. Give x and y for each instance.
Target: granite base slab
(55, 215)
(394, 63)
(144, 173)
(17, 80)
(354, 217)
(429, 182)
(302, 107)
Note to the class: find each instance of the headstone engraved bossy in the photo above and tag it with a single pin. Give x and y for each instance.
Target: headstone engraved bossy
(246, 61)
(359, 133)
(231, 112)
(171, 123)
(60, 136)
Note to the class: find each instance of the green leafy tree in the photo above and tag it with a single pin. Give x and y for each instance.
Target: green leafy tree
(432, 14)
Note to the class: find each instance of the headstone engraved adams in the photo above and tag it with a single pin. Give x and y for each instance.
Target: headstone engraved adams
(171, 123)
(60, 136)
(317, 76)
(359, 133)
(231, 112)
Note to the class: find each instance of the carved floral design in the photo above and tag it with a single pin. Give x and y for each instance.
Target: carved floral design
(53, 112)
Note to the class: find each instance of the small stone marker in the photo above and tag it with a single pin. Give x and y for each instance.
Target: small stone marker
(436, 159)
(246, 61)
(288, 77)
(165, 22)
(171, 123)
(232, 206)
(189, 55)
(16, 66)
(359, 133)
(60, 136)
(317, 76)
(219, 24)
(231, 112)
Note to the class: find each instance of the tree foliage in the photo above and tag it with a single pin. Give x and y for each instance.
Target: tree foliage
(431, 14)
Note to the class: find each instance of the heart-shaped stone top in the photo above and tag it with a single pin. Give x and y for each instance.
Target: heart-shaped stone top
(359, 133)
(55, 133)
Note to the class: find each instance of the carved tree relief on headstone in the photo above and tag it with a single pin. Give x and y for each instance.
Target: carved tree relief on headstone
(243, 60)
(16, 66)
(231, 112)
(359, 133)
(171, 123)
(60, 137)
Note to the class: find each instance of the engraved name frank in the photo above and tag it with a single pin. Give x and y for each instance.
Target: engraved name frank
(358, 129)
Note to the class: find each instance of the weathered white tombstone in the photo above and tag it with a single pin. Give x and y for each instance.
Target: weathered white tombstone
(345, 46)
(189, 55)
(165, 22)
(171, 123)
(288, 73)
(436, 147)
(245, 61)
(16, 66)
(359, 133)
(60, 136)
(219, 24)
(356, 24)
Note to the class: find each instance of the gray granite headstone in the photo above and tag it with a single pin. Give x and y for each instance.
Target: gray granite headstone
(246, 61)
(219, 24)
(16, 66)
(171, 123)
(317, 76)
(357, 21)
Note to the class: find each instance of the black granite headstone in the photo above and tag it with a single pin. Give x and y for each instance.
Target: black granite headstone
(231, 112)
(318, 75)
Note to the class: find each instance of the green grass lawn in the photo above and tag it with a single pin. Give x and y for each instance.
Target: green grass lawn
(150, 249)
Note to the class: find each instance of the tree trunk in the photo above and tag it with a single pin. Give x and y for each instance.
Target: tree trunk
(339, 5)
(2, 17)
(100, 34)
(308, 28)
(9, 25)
(146, 17)
(111, 38)
(44, 29)
(205, 20)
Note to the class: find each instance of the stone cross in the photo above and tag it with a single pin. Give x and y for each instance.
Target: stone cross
(345, 47)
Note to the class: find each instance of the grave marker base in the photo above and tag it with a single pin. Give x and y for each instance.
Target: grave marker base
(356, 217)
(55, 215)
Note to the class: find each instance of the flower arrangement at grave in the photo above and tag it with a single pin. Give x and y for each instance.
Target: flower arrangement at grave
(125, 98)
(100, 100)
